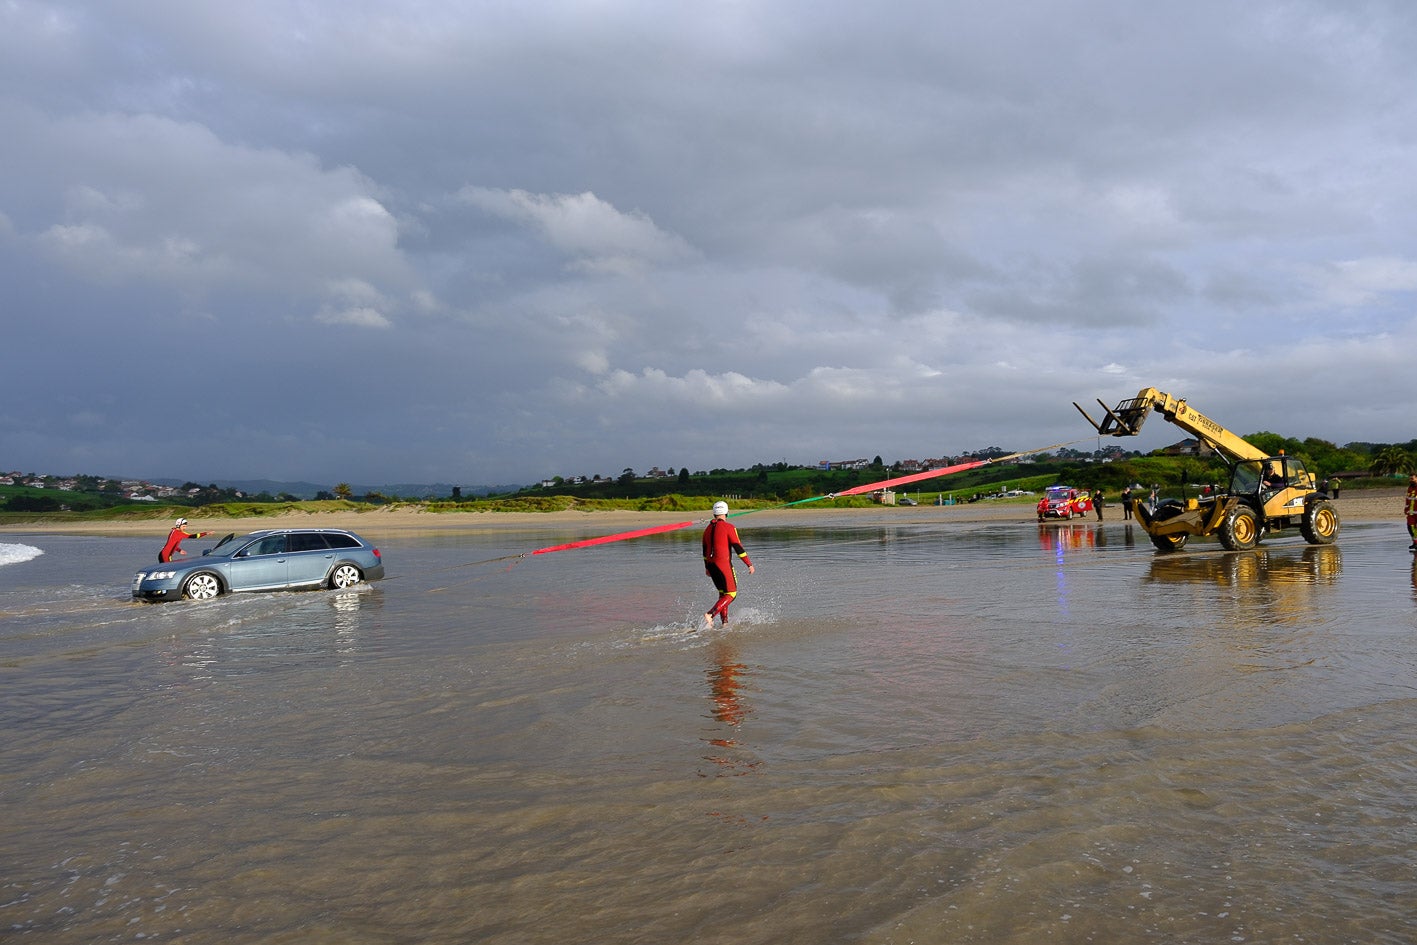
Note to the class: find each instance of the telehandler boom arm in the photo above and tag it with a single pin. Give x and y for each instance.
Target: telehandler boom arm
(1127, 417)
(1265, 494)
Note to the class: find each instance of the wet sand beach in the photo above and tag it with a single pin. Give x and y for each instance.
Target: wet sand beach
(932, 725)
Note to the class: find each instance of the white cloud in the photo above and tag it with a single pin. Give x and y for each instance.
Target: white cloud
(1354, 282)
(354, 302)
(598, 237)
(358, 316)
(151, 201)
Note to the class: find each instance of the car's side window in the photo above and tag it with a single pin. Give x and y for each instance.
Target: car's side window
(342, 541)
(270, 545)
(308, 541)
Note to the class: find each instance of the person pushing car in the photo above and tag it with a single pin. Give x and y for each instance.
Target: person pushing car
(721, 543)
(174, 541)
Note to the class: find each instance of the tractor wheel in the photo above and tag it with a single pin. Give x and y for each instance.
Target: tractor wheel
(1319, 525)
(1172, 542)
(1241, 529)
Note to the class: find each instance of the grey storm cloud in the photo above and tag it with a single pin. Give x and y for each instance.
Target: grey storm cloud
(477, 242)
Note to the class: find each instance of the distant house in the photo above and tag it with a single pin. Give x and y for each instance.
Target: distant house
(1187, 447)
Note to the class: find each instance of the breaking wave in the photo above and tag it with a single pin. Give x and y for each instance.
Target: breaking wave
(16, 554)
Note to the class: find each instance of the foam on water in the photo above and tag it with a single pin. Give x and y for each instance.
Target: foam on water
(690, 631)
(17, 554)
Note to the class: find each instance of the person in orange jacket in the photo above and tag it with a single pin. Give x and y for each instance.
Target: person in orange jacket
(721, 543)
(174, 541)
(1412, 510)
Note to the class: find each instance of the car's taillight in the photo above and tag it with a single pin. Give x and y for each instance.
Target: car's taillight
(376, 552)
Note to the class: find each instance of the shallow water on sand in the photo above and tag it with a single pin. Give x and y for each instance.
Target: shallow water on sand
(920, 732)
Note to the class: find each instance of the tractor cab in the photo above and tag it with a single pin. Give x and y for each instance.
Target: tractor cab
(1266, 478)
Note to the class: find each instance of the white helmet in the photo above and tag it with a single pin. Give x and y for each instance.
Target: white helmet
(181, 521)
(720, 508)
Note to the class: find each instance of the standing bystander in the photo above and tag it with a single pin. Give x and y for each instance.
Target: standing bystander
(1411, 509)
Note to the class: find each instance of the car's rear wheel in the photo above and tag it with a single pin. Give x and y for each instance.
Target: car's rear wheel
(201, 586)
(346, 575)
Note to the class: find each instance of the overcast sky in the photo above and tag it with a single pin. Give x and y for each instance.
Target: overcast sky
(492, 242)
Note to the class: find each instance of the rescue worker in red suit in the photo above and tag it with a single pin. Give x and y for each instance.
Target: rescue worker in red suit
(1412, 510)
(174, 541)
(720, 545)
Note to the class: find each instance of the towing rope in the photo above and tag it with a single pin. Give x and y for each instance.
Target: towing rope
(854, 490)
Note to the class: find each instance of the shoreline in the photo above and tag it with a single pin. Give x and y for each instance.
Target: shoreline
(1370, 506)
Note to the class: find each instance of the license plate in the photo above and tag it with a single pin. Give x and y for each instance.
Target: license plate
(138, 579)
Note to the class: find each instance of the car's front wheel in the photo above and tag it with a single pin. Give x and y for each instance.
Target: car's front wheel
(201, 586)
(346, 575)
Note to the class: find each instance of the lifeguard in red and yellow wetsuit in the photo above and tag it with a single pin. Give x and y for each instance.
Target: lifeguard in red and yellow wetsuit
(174, 541)
(720, 545)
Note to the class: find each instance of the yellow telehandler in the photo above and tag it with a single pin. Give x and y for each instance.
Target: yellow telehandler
(1266, 493)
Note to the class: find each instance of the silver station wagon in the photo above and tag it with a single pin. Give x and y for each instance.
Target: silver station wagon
(272, 560)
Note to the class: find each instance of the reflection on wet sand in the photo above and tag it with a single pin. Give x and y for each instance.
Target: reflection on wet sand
(1264, 589)
(1066, 536)
(726, 678)
(1312, 564)
(265, 632)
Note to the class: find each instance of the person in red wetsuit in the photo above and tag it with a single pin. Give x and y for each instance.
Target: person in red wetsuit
(720, 545)
(174, 541)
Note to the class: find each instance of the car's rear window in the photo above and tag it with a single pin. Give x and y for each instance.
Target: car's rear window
(341, 541)
(308, 541)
